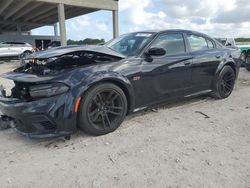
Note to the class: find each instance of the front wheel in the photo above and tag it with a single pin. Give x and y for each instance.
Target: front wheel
(102, 110)
(225, 83)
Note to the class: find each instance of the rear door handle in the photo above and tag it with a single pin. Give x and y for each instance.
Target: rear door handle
(218, 56)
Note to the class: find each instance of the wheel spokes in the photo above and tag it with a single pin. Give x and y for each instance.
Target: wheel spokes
(115, 107)
(94, 115)
(113, 112)
(227, 83)
(107, 118)
(105, 109)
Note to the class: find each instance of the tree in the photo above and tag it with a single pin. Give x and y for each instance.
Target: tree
(87, 41)
(242, 39)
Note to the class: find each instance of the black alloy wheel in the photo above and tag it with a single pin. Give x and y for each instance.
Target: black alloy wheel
(225, 83)
(103, 109)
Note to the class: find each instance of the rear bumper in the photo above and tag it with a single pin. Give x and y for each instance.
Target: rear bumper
(44, 118)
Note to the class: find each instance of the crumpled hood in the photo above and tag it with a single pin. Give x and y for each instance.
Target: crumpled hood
(23, 77)
(59, 51)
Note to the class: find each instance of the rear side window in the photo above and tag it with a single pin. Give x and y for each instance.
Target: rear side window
(172, 43)
(197, 43)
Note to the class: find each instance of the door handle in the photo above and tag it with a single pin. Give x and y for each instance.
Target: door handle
(218, 57)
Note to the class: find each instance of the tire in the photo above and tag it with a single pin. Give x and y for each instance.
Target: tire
(247, 64)
(102, 109)
(26, 53)
(224, 84)
(248, 67)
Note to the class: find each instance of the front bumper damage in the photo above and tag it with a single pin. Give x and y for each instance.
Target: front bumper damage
(6, 122)
(43, 118)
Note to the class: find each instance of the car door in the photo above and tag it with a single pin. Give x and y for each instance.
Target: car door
(4, 49)
(168, 76)
(206, 58)
(17, 48)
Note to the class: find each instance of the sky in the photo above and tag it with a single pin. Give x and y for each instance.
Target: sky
(217, 18)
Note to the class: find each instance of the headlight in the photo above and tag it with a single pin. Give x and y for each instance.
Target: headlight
(47, 90)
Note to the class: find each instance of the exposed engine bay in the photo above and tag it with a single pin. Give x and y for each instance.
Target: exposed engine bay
(48, 67)
(72, 60)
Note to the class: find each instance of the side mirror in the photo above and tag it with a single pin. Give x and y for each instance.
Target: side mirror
(228, 44)
(156, 52)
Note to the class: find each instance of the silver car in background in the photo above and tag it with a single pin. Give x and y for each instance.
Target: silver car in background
(14, 49)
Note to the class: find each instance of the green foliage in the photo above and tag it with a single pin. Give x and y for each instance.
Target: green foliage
(242, 39)
(86, 41)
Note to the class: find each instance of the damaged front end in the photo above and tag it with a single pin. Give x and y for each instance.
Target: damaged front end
(39, 102)
(43, 66)
(37, 110)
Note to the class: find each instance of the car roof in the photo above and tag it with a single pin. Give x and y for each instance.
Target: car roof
(172, 30)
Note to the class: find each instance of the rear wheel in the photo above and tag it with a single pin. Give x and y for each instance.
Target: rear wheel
(103, 109)
(247, 65)
(225, 83)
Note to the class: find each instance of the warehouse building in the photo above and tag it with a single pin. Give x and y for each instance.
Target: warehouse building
(19, 17)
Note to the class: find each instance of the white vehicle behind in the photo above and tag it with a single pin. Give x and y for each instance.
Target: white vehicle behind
(13, 49)
(227, 41)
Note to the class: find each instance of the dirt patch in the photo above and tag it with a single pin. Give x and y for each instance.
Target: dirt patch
(197, 143)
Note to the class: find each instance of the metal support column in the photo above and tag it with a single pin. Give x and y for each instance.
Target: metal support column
(61, 16)
(115, 24)
(55, 30)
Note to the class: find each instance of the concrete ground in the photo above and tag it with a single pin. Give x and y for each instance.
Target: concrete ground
(196, 143)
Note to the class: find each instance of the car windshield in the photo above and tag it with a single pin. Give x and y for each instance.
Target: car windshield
(130, 44)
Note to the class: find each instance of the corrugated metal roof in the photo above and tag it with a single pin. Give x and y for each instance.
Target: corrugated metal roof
(30, 14)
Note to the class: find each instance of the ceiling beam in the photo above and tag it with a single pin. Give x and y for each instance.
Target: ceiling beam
(68, 14)
(42, 10)
(47, 15)
(5, 6)
(27, 10)
(21, 23)
(52, 14)
(15, 9)
(95, 4)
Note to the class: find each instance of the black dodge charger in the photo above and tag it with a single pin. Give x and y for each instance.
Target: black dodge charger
(93, 88)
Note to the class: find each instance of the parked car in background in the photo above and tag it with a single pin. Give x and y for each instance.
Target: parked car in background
(247, 64)
(54, 44)
(230, 42)
(245, 51)
(15, 49)
(94, 87)
(227, 41)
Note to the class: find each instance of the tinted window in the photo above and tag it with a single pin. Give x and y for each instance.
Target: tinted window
(197, 43)
(172, 43)
(210, 44)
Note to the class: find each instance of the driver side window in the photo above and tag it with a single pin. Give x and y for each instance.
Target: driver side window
(172, 43)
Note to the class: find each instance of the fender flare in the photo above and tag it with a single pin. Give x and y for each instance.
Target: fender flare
(222, 64)
(112, 77)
